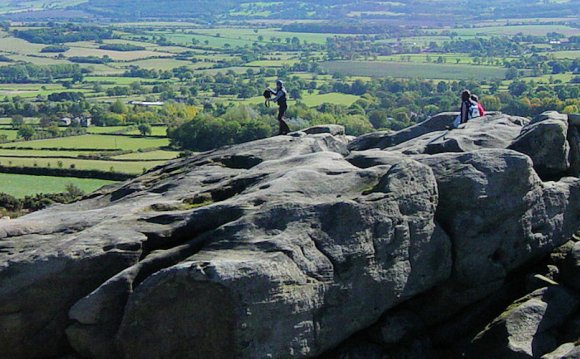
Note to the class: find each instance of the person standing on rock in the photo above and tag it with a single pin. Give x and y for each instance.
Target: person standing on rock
(281, 98)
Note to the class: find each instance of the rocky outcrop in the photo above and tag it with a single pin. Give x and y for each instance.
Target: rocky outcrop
(431, 126)
(306, 245)
(565, 351)
(527, 328)
(481, 133)
(545, 141)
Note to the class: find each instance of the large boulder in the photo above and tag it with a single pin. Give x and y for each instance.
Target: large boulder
(280, 241)
(492, 131)
(570, 267)
(335, 130)
(289, 246)
(367, 141)
(319, 253)
(51, 259)
(564, 351)
(372, 158)
(494, 230)
(499, 213)
(432, 125)
(500, 217)
(545, 140)
(387, 139)
(528, 328)
(574, 142)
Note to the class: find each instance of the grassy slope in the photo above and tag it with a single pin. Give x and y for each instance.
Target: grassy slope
(133, 167)
(22, 185)
(94, 142)
(406, 70)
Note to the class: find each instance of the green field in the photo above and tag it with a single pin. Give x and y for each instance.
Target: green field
(334, 98)
(165, 64)
(133, 167)
(33, 90)
(13, 45)
(450, 59)
(118, 80)
(97, 142)
(245, 35)
(151, 155)
(101, 130)
(24, 185)
(220, 36)
(538, 30)
(115, 55)
(232, 58)
(410, 70)
(10, 134)
(157, 131)
(5, 121)
(43, 153)
(547, 78)
(272, 63)
(565, 54)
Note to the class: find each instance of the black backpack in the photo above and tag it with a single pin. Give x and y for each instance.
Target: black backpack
(267, 95)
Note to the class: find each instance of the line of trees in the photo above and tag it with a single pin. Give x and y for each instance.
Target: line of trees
(54, 34)
(121, 47)
(30, 73)
(55, 49)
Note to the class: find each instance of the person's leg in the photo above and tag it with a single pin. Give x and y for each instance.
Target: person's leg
(457, 122)
(283, 126)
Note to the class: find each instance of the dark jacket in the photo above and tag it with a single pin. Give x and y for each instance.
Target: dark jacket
(280, 97)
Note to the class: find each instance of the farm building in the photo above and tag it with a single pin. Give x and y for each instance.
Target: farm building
(65, 122)
(83, 121)
(146, 104)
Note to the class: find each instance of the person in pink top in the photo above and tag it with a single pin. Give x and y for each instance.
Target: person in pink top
(475, 99)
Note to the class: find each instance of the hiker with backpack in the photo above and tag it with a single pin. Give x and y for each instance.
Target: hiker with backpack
(469, 110)
(280, 96)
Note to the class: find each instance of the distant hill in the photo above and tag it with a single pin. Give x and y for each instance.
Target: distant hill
(17, 6)
(162, 10)
(408, 12)
(298, 9)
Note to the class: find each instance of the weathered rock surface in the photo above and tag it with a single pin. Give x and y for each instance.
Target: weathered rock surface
(289, 246)
(570, 269)
(526, 330)
(335, 130)
(565, 351)
(431, 126)
(545, 140)
(383, 140)
(574, 141)
(484, 132)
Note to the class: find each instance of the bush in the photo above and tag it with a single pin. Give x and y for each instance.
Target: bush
(55, 49)
(121, 47)
(26, 132)
(9, 205)
(66, 96)
(90, 59)
(144, 129)
(206, 132)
